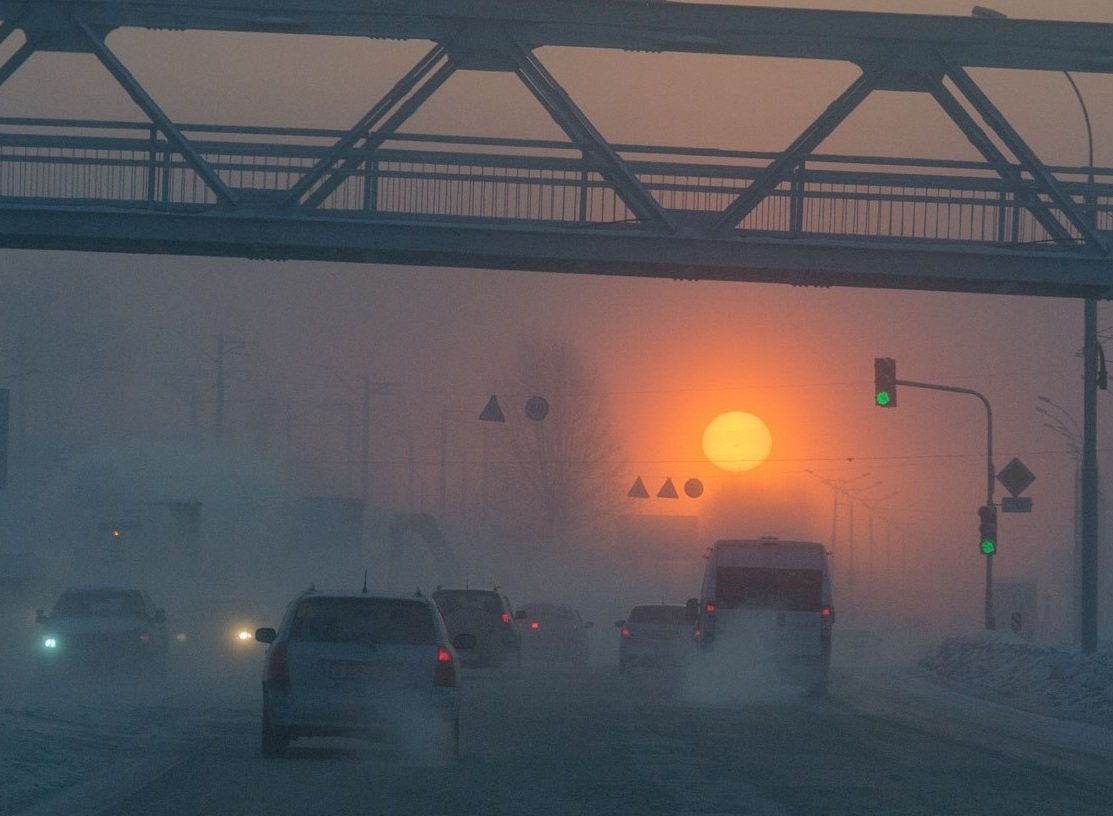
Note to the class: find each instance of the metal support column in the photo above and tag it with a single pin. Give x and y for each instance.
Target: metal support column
(1088, 618)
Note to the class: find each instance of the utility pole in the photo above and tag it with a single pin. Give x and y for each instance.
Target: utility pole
(365, 437)
(444, 461)
(1088, 608)
(223, 349)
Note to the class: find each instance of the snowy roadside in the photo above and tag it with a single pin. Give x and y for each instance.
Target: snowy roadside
(77, 756)
(1041, 679)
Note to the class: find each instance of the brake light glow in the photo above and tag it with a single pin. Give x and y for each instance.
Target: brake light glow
(278, 667)
(506, 617)
(145, 637)
(709, 608)
(625, 632)
(825, 612)
(697, 634)
(444, 674)
(535, 625)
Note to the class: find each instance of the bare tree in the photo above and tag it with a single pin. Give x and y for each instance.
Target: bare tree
(562, 473)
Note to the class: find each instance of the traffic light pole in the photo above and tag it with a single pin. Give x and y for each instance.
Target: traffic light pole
(990, 624)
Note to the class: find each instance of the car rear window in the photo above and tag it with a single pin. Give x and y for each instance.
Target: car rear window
(547, 611)
(786, 590)
(363, 620)
(453, 600)
(659, 614)
(99, 604)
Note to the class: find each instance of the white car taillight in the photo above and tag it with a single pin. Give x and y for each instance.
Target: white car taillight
(444, 675)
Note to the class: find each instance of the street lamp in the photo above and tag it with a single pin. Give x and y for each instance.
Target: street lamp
(840, 487)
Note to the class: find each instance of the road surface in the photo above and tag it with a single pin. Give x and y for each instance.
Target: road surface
(594, 743)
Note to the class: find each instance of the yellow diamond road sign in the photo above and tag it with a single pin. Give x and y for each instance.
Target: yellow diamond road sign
(1016, 477)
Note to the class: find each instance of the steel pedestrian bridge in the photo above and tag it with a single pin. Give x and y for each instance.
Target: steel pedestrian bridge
(375, 192)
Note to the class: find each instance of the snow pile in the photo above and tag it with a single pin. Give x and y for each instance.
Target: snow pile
(1050, 681)
(45, 749)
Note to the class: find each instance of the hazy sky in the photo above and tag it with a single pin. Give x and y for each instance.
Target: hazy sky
(671, 355)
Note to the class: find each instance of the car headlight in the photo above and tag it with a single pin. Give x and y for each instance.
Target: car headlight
(244, 635)
(50, 642)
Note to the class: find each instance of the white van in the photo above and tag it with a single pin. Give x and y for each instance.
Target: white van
(770, 601)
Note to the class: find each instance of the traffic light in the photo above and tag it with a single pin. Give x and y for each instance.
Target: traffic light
(885, 382)
(987, 530)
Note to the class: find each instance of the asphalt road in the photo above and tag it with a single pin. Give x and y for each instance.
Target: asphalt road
(594, 743)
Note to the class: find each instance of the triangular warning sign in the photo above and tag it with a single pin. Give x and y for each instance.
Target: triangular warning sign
(637, 490)
(668, 490)
(492, 413)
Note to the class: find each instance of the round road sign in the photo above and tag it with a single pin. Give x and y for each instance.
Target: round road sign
(537, 408)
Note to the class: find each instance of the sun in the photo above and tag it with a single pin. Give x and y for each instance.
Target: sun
(737, 441)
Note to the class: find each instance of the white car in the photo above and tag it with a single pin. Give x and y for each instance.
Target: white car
(364, 665)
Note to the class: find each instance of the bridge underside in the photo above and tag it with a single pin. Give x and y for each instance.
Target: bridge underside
(1007, 223)
(618, 252)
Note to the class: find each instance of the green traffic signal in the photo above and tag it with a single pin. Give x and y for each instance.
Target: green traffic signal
(987, 529)
(885, 382)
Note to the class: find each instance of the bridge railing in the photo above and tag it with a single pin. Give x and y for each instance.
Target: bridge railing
(94, 163)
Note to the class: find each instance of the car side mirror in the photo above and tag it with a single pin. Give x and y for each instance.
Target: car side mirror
(618, 624)
(160, 616)
(266, 635)
(464, 641)
(40, 617)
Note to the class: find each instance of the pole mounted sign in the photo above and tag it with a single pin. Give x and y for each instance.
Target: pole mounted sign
(1016, 477)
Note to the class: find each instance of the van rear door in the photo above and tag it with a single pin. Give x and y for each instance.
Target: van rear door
(781, 606)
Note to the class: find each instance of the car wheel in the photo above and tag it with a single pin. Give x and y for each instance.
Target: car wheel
(274, 739)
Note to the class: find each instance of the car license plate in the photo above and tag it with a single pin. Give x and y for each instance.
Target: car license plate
(350, 670)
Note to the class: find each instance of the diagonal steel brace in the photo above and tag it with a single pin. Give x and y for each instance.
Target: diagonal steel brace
(437, 60)
(148, 105)
(1006, 169)
(783, 166)
(1027, 158)
(16, 60)
(583, 133)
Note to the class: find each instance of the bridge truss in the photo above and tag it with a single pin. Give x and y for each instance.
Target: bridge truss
(375, 192)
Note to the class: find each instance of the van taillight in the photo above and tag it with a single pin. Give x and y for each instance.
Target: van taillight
(535, 625)
(444, 675)
(825, 612)
(709, 608)
(278, 667)
(625, 632)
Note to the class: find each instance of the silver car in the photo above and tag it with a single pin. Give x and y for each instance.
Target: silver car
(364, 665)
(656, 635)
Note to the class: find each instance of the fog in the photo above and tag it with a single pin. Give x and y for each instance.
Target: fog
(112, 365)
